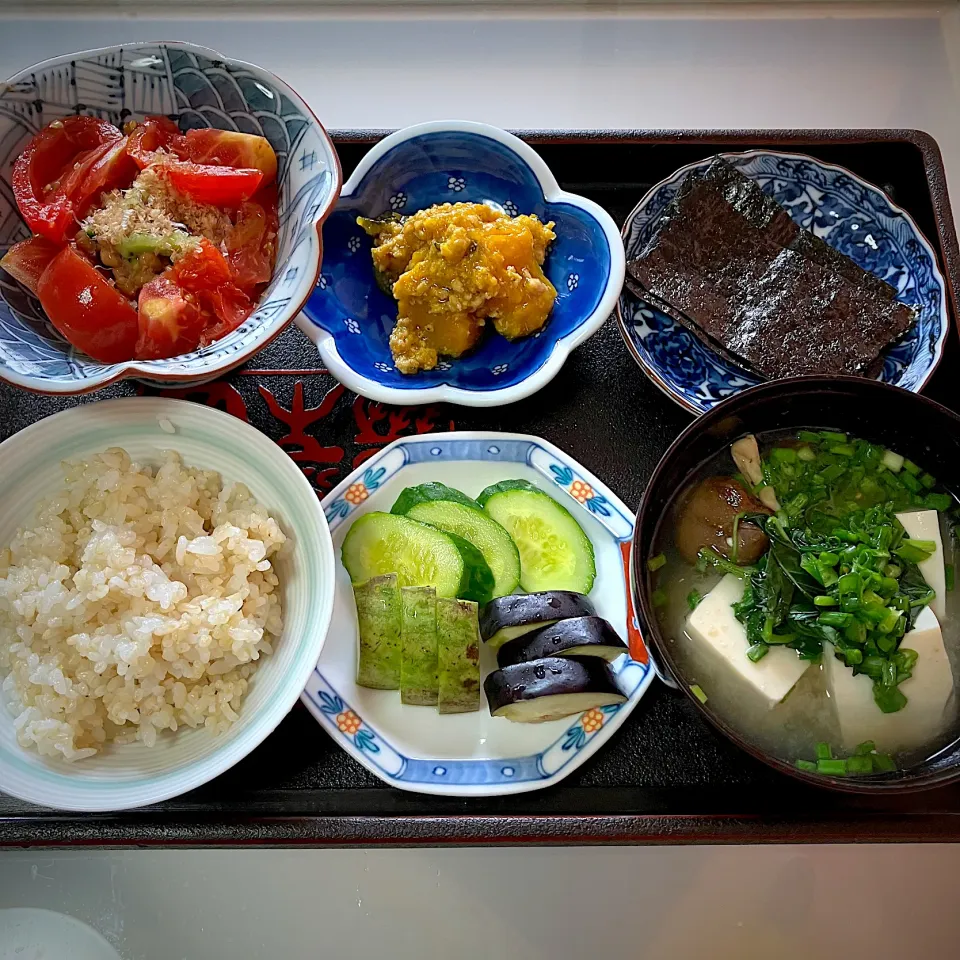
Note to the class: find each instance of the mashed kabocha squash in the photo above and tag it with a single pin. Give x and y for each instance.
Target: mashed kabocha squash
(452, 267)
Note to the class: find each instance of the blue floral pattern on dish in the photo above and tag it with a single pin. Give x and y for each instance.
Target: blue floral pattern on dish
(852, 216)
(478, 777)
(454, 166)
(201, 89)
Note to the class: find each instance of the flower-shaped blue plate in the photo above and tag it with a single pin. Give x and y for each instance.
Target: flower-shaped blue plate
(473, 754)
(350, 319)
(201, 89)
(851, 215)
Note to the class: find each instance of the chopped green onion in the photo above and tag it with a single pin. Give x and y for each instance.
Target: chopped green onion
(843, 449)
(693, 599)
(824, 751)
(832, 437)
(806, 455)
(892, 571)
(807, 766)
(860, 765)
(697, 691)
(807, 436)
(916, 551)
(911, 467)
(938, 501)
(832, 768)
(824, 601)
(882, 763)
(862, 749)
(910, 482)
(655, 563)
(658, 598)
(928, 481)
(831, 473)
(892, 461)
(757, 651)
(784, 454)
(834, 618)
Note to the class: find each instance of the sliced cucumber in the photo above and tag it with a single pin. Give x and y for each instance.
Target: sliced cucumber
(427, 492)
(420, 556)
(454, 512)
(555, 553)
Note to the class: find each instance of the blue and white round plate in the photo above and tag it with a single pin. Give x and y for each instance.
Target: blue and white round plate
(473, 754)
(853, 216)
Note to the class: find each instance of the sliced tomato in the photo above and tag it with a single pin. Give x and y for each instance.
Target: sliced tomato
(25, 261)
(104, 168)
(88, 310)
(205, 274)
(218, 186)
(252, 243)
(231, 306)
(51, 155)
(228, 148)
(170, 320)
(148, 137)
(203, 268)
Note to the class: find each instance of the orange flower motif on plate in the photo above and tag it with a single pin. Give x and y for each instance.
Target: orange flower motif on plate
(592, 720)
(356, 493)
(348, 722)
(581, 491)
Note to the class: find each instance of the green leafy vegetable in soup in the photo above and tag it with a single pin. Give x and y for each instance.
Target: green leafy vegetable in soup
(840, 567)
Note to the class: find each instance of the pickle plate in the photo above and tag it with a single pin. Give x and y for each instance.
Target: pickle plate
(474, 754)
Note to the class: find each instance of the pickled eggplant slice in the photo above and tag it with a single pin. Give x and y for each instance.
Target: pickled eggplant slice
(551, 688)
(577, 637)
(506, 618)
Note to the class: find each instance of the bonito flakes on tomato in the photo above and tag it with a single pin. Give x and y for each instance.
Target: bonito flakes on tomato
(169, 238)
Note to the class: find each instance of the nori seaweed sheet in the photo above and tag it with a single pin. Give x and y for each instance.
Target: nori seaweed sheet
(728, 263)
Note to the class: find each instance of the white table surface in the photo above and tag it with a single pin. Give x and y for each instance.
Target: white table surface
(787, 66)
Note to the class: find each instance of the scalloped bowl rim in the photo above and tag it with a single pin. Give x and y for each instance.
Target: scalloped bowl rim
(539, 378)
(269, 330)
(677, 397)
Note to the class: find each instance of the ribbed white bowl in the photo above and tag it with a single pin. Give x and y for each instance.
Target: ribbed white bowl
(132, 775)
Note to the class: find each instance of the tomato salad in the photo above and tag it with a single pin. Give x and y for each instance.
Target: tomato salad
(147, 243)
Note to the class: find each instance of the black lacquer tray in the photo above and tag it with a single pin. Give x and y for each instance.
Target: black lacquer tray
(666, 776)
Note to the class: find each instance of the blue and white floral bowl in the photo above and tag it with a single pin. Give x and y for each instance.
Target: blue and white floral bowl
(853, 216)
(350, 319)
(200, 88)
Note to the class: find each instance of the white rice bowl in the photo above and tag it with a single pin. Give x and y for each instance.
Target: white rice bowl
(159, 612)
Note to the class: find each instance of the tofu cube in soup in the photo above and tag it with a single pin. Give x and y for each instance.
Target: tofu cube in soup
(928, 693)
(714, 627)
(925, 525)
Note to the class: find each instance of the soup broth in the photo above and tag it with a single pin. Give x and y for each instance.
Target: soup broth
(807, 717)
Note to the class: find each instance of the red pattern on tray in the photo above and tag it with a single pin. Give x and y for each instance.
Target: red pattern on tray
(322, 463)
